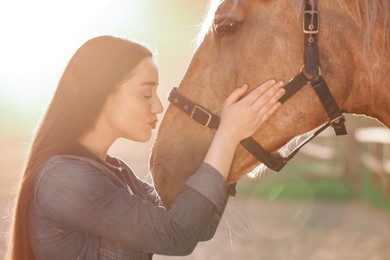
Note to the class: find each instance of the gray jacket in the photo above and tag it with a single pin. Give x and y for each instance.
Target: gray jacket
(81, 210)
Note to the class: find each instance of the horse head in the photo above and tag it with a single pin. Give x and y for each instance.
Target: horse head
(250, 41)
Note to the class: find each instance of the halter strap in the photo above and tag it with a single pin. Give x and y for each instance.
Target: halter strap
(198, 113)
(311, 28)
(337, 119)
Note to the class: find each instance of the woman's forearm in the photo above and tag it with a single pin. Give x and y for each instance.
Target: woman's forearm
(221, 152)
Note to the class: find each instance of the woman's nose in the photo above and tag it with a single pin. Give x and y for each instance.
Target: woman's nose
(157, 107)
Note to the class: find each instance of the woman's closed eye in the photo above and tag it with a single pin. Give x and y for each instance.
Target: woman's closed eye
(147, 90)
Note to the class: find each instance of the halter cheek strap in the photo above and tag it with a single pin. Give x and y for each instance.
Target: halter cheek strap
(311, 28)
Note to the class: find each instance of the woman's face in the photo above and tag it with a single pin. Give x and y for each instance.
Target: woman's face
(131, 111)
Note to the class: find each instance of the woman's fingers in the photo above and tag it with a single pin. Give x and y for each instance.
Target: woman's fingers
(269, 104)
(269, 112)
(265, 108)
(259, 91)
(243, 115)
(236, 95)
(270, 96)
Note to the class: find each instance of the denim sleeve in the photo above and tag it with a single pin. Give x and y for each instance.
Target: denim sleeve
(76, 196)
(152, 196)
(203, 184)
(209, 232)
(207, 181)
(148, 190)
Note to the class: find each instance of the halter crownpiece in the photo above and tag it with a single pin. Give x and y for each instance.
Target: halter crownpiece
(311, 27)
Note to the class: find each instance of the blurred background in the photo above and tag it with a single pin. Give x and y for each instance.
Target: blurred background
(330, 202)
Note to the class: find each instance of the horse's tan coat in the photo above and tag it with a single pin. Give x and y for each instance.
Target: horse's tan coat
(354, 58)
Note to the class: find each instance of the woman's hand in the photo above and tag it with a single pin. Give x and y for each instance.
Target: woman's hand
(240, 119)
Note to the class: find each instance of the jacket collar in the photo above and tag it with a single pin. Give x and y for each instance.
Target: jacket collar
(78, 149)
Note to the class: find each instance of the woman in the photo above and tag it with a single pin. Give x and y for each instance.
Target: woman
(77, 202)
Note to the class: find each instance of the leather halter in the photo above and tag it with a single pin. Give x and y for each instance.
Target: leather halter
(311, 26)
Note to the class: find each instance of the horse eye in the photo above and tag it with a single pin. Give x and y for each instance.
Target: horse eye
(226, 27)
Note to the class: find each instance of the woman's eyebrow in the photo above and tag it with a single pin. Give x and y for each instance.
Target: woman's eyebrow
(150, 83)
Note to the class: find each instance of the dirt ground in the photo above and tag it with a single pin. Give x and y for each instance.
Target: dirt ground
(257, 229)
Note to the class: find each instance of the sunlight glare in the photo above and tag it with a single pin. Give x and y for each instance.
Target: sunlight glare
(39, 37)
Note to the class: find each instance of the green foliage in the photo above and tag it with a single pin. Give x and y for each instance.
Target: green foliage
(293, 185)
(373, 194)
(273, 188)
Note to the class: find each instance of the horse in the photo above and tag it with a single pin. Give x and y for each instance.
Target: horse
(251, 41)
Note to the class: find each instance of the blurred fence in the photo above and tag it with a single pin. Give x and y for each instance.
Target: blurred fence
(375, 154)
(362, 158)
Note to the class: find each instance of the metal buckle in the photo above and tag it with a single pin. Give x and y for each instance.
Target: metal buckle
(337, 121)
(310, 28)
(196, 107)
(318, 74)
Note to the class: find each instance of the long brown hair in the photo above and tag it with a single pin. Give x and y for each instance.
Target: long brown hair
(93, 72)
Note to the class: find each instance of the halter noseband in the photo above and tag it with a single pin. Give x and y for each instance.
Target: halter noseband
(311, 26)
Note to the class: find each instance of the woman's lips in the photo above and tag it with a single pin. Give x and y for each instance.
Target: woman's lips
(153, 124)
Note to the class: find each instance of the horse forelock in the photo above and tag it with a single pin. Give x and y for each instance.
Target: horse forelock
(375, 8)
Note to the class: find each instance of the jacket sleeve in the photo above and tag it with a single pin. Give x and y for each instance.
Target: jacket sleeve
(148, 190)
(77, 196)
(152, 195)
(209, 232)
